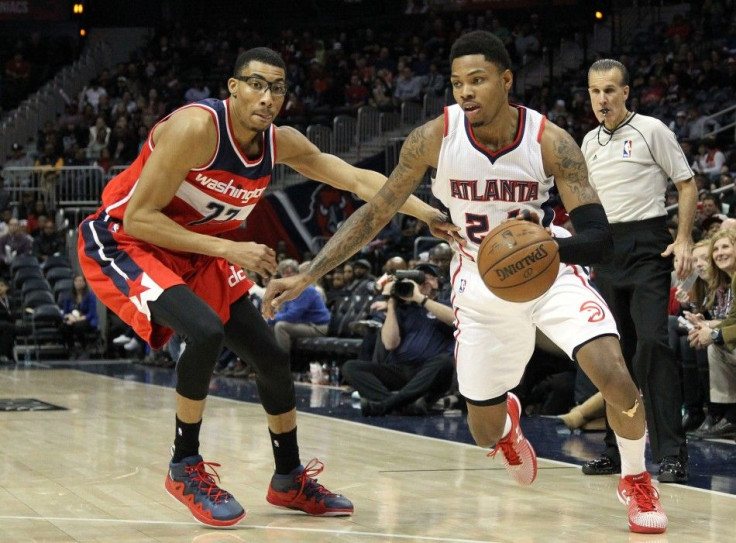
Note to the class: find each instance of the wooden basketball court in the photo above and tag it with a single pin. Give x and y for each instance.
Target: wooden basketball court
(95, 472)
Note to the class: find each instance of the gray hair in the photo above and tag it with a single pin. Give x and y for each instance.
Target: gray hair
(288, 264)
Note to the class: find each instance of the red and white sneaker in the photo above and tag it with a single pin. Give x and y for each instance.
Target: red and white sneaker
(300, 490)
(518, 454)
(645, 512)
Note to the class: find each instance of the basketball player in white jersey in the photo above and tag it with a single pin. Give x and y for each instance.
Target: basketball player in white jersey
(495, 161)
(630, 157)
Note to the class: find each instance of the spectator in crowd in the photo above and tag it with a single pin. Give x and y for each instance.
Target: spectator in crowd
(19, 159)
(408, 87)
(91, 94)
(305, 316)
(380, 96)
(679, 126)
(435, 82)
(356, 94)
(198, 91)
(361, 279)
(7, 325)
(719, 336)
(417, 337)
(48, 166)
(79, 311)
(48, 242)
(711, 159)
(710, 208)
(15, 243)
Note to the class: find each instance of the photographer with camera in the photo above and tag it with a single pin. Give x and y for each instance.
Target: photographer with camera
(417, 335)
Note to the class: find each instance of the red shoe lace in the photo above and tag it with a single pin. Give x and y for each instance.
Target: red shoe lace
(644, 494)
(207, 482)
(310, 487)
(506, 446)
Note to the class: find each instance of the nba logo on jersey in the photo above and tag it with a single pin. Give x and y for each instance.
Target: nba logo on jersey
(627, 148)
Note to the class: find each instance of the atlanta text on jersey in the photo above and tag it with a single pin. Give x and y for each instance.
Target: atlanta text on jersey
(504, 190)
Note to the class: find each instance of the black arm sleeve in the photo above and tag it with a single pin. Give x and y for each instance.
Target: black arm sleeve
(592, 242)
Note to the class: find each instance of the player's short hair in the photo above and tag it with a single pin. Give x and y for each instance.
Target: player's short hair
(607, 64)
(481, 42)
(258, 54)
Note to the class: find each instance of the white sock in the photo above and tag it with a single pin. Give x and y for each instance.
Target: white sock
(507, 426)
(632, 455)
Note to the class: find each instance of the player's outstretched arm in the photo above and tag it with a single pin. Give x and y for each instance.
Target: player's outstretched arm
(299, 153)
(592, 242)
(418, 153)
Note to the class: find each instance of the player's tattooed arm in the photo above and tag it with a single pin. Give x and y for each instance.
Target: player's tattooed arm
(564, 160)
(366, 222)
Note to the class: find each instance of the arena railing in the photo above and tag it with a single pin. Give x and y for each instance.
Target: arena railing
(321, 136)
(57, 187)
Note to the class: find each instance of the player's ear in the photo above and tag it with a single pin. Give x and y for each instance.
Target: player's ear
(508, 79)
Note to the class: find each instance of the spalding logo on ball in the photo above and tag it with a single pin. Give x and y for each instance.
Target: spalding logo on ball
(518, 261)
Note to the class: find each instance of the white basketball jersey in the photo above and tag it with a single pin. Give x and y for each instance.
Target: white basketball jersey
(482, 188)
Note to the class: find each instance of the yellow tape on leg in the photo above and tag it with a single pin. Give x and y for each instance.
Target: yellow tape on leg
(630, 413)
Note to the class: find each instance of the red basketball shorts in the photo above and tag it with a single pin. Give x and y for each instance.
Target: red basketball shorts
(126, 274)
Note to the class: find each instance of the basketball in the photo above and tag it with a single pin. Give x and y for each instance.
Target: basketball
(518, 261)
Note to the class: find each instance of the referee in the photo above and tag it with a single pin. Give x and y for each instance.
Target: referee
(630, 157)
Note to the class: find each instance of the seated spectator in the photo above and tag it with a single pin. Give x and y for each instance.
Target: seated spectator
(711, 159)
(359, 279)
(7, 325)
(198, 91)
(679, 126)
(48, 242)
(305, 316)
(408, 87)
(19, 159)
(80, 317)
(356, 95)
(15, 243)
(719, 337)
(417, 335)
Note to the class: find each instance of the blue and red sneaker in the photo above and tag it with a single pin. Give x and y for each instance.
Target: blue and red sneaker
(300, 490)
(189, 482)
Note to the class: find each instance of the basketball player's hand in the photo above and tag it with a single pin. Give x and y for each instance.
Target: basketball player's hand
(253, 256)
(282, 290)
(441, 227)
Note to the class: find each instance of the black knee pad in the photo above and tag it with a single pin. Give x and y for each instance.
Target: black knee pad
(197, 362)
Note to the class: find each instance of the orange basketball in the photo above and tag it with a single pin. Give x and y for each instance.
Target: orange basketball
(518, 261)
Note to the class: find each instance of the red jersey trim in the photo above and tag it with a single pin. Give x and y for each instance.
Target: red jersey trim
(541, 129)
(447, 120)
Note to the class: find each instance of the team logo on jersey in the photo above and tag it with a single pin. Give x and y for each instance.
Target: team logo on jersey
(595, 311)
(628, 144)
(237, 274)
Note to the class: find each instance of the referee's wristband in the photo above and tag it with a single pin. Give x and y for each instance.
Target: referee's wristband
(424, 301)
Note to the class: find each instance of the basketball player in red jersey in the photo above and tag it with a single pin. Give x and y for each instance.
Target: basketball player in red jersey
(496, 161)
(152, 254)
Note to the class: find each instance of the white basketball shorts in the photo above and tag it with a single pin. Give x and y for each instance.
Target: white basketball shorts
(495, 338)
